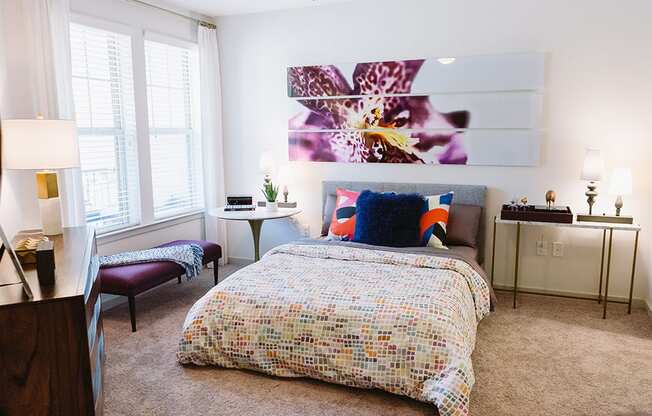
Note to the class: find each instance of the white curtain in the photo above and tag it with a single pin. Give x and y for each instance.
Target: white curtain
(48, 22)
(211, 130)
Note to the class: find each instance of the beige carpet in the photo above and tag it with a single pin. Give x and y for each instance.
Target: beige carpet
(549, 357)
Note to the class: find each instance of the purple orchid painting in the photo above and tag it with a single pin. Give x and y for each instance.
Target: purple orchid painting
(376, 120)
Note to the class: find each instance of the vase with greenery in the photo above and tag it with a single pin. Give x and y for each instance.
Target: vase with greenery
(271, 193)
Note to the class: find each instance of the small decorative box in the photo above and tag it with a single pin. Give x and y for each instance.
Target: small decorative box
(25, 245)
(537, 213)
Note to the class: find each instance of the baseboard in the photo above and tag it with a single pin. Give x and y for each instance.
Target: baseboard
(240, 261)
(636, 302)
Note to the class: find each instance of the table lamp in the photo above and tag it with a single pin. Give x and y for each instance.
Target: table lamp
(266, 163)
(42, 145)
(592, 172)
(620, 185)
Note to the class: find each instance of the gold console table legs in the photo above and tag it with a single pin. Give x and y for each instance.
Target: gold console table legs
(631, 281)
(604, 238)
(493, 253)
(607, 245)
(518, 245)
(606, 283)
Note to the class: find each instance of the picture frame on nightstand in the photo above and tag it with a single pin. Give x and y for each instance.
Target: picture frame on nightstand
(5, 247)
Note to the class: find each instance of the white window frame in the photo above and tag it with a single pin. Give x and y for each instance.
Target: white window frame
(131, 32)
(143, 162)
(196, 121)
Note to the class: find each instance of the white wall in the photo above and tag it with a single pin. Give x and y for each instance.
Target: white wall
(136, 15)
(598, 89)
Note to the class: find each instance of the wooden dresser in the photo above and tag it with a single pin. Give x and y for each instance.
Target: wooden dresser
(52, 347)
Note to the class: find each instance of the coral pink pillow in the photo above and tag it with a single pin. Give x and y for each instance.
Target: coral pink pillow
(343, 221)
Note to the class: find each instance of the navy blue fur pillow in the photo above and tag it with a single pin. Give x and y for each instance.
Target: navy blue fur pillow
(388, 219)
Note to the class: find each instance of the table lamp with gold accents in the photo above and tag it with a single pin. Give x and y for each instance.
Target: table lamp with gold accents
(42, 145)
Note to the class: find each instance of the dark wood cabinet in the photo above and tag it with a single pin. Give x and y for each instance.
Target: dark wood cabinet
(52, 346)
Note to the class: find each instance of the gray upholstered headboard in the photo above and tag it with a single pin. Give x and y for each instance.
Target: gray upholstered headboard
(464, 194)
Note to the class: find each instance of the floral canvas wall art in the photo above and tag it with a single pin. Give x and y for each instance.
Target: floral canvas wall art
(417, 111)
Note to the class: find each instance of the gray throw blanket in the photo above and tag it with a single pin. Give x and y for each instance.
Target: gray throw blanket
(188, 256)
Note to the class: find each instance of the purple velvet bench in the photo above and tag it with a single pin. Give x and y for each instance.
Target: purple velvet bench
(134, 279)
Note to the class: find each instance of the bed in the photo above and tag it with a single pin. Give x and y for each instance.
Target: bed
(398, 319)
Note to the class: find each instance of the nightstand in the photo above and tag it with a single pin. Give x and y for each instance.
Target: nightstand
(255, 218)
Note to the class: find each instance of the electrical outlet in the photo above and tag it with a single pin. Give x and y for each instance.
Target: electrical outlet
(302, 229)
(558, 249)
(542, 248)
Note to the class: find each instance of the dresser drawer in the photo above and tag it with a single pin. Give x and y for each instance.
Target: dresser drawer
(96, 352)
(97, 357)
(93, 300)
(95, 324)
(95, 331)
(93, 261)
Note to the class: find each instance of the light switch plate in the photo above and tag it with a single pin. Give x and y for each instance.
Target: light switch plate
(542, 248)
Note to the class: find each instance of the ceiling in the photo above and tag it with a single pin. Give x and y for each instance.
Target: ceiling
(229, 7)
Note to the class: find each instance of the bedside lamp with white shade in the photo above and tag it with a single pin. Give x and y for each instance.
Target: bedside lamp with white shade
(266, 163)
(592, 172)
(620, 185)
(42, 145)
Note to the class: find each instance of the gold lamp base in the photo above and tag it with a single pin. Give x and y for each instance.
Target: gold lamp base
(47, 190)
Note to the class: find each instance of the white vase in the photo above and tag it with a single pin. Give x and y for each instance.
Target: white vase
(271, 206)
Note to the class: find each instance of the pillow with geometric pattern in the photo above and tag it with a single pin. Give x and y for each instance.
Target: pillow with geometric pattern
(434, 221)
(343, 220)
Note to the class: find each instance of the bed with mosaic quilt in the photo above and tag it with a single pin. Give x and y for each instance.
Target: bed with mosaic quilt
(399, 319)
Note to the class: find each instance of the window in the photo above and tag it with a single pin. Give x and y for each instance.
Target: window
(103, 90)
(136, 103)
(175, 145)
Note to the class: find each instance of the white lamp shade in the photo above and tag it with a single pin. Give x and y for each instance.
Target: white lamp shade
(621, 182)
(593, 166)
(39, 144)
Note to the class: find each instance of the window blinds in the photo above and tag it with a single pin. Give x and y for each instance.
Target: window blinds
(175, 142)
(102, 79)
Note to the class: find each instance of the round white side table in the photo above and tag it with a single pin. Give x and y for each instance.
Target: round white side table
(255, 219)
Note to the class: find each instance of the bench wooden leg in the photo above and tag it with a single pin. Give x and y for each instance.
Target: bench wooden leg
(132, 312)
(215, 272)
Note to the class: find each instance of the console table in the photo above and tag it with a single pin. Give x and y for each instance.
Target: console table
(607, 228)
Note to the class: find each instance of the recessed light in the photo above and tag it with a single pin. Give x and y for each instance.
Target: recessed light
(446, 61)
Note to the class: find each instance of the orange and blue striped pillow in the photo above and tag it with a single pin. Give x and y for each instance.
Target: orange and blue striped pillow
(433, 222)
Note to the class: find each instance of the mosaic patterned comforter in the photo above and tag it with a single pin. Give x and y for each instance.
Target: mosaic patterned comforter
(404, 323)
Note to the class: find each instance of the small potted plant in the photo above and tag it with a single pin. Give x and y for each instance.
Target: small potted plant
(270, 192)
